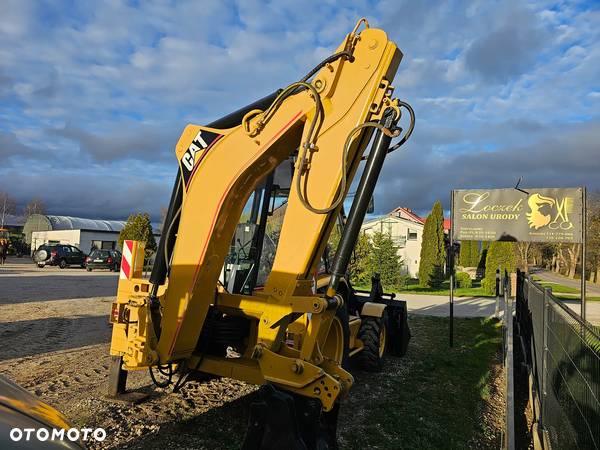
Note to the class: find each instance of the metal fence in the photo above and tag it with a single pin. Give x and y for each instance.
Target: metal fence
(562, 352)
(508, 439)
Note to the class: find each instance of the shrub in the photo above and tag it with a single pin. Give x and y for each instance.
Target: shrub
(463, 280)
(499, 254)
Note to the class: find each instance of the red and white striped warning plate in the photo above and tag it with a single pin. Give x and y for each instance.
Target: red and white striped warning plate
(126, 260)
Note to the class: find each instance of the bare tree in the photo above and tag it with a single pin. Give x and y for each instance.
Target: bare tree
(35, 206)
(593, 237)
(523, 255)
(7, 206)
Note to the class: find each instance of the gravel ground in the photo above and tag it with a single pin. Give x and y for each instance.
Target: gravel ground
(55, 334)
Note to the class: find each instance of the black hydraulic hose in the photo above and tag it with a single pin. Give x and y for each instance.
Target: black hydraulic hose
(365, 190)
(326, 61)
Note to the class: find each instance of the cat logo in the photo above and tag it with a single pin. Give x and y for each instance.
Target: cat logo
(197, 150)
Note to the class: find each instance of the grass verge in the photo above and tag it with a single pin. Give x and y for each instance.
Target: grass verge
(413, 287)
(435, 397)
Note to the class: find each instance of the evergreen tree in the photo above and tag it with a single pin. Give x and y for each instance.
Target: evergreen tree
(358, 268)
(138, 228)
(499, 254)
(482, 256)
(433, 250)
(474, 254)
(384, 260)
(466, 253)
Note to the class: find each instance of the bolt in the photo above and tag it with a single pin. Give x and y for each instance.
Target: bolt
(297, 367)
(257, 352)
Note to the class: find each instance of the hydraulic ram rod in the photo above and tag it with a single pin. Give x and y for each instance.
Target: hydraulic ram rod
(364, 193)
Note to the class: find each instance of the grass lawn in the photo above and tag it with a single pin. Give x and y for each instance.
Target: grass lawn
(558, 289)
(568, 297)
(413, 288)
(435, 397)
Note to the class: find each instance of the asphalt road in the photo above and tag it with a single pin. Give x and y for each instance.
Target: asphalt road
(22, 281)
(591, 289)
(438, 305)
(592, 309)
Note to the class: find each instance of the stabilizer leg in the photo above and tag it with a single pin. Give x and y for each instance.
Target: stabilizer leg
(117, 383)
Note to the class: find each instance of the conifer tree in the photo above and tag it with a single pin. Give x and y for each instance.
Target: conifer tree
(433, 249)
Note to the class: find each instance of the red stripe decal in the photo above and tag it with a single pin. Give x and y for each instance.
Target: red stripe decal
(125, 267)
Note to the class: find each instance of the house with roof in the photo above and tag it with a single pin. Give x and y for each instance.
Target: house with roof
(406, 229)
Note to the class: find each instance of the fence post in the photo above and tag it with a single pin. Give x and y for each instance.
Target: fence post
(497, 310)
(546, 306)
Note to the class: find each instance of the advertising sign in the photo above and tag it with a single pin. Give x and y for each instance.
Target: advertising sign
(534, 215)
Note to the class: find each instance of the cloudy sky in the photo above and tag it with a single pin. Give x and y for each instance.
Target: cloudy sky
(94, 95)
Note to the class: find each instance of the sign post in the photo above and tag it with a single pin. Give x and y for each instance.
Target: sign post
(451, 264)
(583, 253)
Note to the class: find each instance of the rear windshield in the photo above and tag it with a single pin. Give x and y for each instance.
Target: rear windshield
(100, 254)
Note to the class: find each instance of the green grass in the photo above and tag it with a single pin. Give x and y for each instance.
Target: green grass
(568, 297)
(438, 402)
(412, 287)
(559, 288)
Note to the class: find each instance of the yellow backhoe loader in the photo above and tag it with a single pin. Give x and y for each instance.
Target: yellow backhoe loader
(244, 284)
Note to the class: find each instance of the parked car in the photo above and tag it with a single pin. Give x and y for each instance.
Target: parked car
(61, 255)
(103, 259)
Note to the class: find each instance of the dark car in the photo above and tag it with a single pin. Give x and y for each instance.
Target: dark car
(61, 255)
(103, 259)
(22, 411)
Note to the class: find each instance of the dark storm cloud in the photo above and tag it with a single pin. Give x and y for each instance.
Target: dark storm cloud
(95, 195)
(124, 141)
(11, 147)
(510, 49)
(419, 175)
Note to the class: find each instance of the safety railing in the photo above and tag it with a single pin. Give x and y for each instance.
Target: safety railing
(562, 352)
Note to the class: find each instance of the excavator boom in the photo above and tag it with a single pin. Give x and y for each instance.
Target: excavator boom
(188, 318)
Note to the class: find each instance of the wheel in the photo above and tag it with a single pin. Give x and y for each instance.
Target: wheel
(63, 264)
(41, 266)
(89, 269)
(115, 268)
(373, 334)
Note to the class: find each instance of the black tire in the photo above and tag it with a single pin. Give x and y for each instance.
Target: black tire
(89, 269)
(62, 264)
(370, 358)
(115, 268)
(41, 266)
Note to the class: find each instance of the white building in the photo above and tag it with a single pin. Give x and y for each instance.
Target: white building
(406, 230)
(82, 233)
